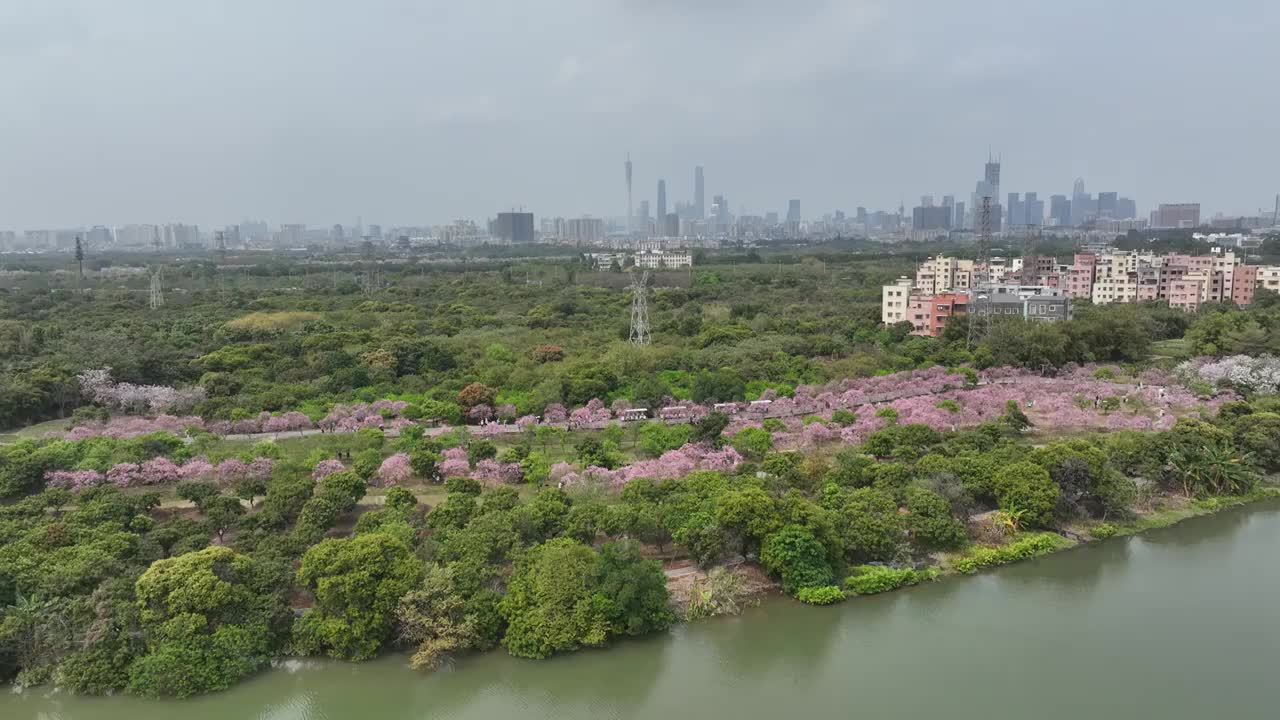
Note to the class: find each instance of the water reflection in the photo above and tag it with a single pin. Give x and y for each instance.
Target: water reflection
(781, 635)
(1221, 527)
(1074, 573)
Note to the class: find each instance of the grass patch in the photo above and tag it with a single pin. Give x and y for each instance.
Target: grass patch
(822, 595)
(873, 579)
(1177, 349)
(264, 321)
(1025, 547)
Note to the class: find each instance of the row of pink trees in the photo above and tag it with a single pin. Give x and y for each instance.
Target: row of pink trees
(161, 471)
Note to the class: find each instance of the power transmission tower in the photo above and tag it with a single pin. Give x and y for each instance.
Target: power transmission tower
(640, 310)
(157, 293)
(980, 320)
(79, 262)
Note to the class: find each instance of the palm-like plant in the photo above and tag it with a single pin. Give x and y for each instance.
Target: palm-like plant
(1010, 520)
(1212, 470)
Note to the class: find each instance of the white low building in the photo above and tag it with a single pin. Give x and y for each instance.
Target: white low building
(664, 259)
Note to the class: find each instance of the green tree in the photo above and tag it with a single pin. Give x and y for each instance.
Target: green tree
(633, 590)
(357, 584)
(930, 521)
(718, 386)
(797, 558)
(870, 524)
(710, 428)
(208, 621)
(249, 488)
(439, 621)
(753, 443)
(551, 604)
(1028, 487)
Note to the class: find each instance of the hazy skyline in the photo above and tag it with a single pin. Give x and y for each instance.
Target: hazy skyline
(419, 112)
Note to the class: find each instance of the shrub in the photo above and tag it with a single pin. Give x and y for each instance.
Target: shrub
(1024, 549)
(1028, 487)
(722, 593)
(753, 443)
(822, 595)
(773, 425)
(873, 579)
(844, 418)
(888, 413)
(796, 556)
(1102, 531)
(950, 406)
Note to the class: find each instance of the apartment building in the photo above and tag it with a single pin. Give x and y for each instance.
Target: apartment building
(942, 274)
(894, 300)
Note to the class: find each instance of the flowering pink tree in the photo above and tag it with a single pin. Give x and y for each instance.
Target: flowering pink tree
(325, 468)
(389, 408)
(598, 412)
(159, 471)
(74, 479)
(455, 463)
(196, 469)
(125, 475)
(492, 472)
(480, 413)
(580, 417)
(556, 414)
(395, 470)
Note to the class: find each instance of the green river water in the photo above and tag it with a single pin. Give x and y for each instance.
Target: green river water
(1177, 624)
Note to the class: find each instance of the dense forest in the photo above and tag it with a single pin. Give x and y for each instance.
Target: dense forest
(537, 334)
(462, 510)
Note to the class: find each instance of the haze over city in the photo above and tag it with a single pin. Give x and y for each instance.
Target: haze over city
(136, 111)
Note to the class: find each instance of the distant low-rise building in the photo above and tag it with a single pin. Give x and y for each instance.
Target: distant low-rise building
(664, 259)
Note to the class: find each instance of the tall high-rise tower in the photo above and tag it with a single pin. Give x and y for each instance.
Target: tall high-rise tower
(699, 194)
(992, 177)
(662, 200)
(630, 209)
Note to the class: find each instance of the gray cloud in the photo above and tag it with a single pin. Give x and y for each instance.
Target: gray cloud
(138, 110)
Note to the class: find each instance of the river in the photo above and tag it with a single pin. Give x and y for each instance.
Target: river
(1179, 623)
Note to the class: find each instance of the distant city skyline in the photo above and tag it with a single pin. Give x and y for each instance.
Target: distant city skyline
(133, 111)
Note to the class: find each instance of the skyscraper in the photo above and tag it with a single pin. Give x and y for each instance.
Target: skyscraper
(1017, 211)
(992, 177)
(662, 200)
(1126, 208)
(1033, 209)
(1060, 210)
(793, 211)
(630, 210)
(699, 194)
(1082, 205)
(515, 228)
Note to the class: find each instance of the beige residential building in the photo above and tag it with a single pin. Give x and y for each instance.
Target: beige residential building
(894, 301)
(944, 274)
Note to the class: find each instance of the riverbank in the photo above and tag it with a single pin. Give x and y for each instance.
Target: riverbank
(1198, 652)
(1172, 510)
(978, 557)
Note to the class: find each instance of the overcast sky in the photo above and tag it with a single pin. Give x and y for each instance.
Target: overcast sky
(316, 111)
